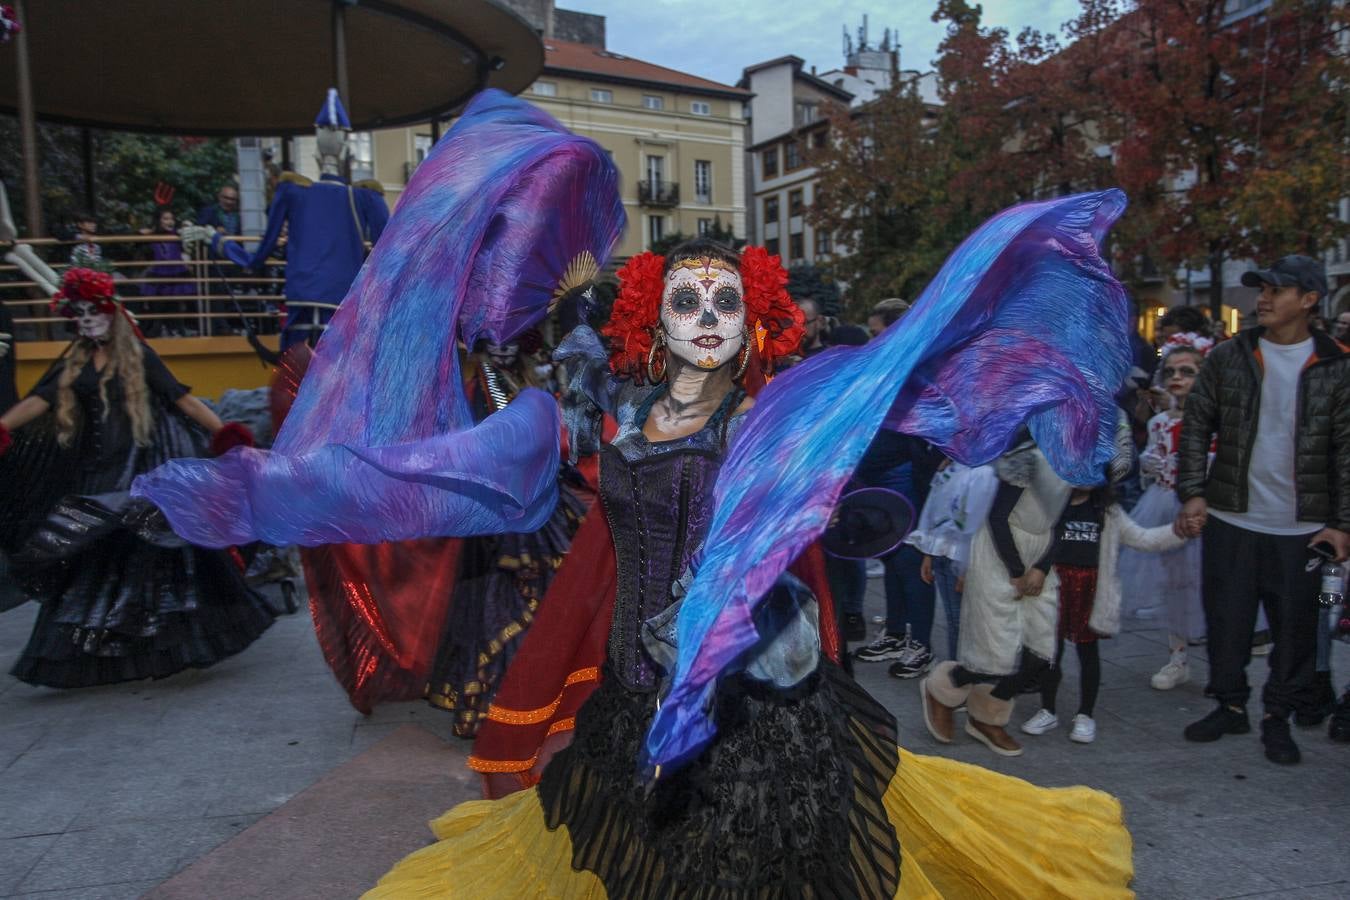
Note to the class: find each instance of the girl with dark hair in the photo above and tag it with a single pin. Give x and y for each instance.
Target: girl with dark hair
(1088, 538)
(168, 257)
(122, 598)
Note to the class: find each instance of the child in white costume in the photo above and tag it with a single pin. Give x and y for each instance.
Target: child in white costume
(957, 506)
(1009, 605)
(1171, 579)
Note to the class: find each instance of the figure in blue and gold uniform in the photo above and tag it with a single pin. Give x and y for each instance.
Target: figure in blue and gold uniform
(327, 222)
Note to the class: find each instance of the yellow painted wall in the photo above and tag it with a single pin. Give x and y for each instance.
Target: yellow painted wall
(207, 365)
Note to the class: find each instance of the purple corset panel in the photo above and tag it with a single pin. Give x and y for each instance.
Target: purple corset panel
(658, 499)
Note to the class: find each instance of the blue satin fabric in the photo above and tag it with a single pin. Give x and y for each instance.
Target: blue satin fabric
(1023, 324)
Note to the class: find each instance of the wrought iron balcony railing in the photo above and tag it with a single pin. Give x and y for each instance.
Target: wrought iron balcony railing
(659, 193)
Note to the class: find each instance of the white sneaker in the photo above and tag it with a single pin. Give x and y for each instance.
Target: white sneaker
(1169, 676)
(1040, 723)
(1084, 729)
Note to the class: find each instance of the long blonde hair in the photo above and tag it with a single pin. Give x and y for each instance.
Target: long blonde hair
(125, 362)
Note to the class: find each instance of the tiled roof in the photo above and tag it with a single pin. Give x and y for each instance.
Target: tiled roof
(566, 56)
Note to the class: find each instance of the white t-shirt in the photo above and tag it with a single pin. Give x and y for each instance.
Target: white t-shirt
(1272, 497)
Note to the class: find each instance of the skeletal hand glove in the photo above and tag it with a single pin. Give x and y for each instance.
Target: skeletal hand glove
(196, 234)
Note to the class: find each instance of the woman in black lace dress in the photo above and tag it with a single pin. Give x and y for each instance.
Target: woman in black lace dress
(122, 597)
(804, 792)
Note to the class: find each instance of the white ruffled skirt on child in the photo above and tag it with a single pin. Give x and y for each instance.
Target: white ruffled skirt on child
(1168, 582)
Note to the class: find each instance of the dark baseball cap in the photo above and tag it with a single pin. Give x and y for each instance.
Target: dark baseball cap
(1302, 272)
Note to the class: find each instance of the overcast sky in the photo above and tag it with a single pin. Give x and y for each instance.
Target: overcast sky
(717, 39)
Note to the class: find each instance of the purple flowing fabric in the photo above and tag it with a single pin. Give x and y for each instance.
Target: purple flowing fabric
(1024, 324)
(379, 445)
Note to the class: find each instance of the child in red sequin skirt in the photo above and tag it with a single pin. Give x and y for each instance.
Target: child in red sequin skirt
(1088, 539)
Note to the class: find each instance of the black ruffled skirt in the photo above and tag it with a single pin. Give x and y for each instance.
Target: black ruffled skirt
(124, 599)
(788, 802)
(500, 583)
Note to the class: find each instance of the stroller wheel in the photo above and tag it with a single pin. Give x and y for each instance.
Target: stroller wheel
(288, 595)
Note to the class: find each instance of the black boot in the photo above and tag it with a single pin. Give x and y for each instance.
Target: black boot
(1323, 705)
(1280, 746)
(1339, 729)
(1224, 720)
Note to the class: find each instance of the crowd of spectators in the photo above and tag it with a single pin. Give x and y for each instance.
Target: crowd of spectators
(1216, 538)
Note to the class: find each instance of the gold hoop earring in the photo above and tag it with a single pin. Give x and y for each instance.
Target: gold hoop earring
(658, 342)
(744, 362)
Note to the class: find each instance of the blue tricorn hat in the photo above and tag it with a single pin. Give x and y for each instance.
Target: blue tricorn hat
(332, 114)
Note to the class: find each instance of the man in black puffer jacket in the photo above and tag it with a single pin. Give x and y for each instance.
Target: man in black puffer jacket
(1276, 401)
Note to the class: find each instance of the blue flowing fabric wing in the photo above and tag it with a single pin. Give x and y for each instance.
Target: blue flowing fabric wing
(380, 444)
(1023, 324)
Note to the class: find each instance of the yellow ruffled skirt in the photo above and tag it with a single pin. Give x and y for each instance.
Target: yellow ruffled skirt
(964, 832)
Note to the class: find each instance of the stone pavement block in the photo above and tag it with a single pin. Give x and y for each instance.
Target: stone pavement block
(18, 855)
(16, 740)
(339, 836)
(1307, 856)
(208, 834)
(126, 890)
(259, 788)
(1336, 890)
(1186, 865)
(108, 854)
(152, 794)
(28, 807)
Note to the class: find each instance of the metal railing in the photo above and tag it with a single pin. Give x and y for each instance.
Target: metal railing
(659, 193)
(197, 296)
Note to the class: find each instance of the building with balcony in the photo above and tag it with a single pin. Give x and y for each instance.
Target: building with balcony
(787, 119)
(678, 140)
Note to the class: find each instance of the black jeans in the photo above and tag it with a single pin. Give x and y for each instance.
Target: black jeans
(1241, 570)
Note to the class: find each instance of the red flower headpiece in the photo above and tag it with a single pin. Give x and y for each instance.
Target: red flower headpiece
(774, 321)
(85, 285)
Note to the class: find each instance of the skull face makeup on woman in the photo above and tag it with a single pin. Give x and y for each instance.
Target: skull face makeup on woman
(503, 355)
(93, 325)
(703, 312)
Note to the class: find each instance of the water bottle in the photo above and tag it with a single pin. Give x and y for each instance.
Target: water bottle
(1333, 584)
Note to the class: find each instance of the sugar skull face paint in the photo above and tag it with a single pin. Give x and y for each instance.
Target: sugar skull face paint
(92, 324)
(503, 356)
(703, 312)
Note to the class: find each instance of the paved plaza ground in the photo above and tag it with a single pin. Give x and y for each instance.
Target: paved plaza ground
(256, 778)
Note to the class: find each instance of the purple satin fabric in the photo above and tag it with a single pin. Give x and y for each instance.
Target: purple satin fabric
(380, 443)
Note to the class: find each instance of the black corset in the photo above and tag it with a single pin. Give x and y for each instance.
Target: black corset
(658, 509)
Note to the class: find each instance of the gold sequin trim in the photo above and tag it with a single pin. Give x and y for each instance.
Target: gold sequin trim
(535, 716)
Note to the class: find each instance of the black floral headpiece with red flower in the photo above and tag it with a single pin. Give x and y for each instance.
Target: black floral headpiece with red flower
(85, 286)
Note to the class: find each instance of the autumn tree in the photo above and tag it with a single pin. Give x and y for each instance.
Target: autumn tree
(876, 195)
(903, 183)
(1228, 135)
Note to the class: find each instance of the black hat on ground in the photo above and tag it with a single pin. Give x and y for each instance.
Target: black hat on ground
(1302, 272)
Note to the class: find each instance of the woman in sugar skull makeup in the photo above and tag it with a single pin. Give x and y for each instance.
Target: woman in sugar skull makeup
(804, 791)
(500, 579)
(122, 598)
(675, 723)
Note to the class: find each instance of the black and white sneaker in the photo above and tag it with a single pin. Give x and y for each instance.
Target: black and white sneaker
(916, 660)
(886, 646)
